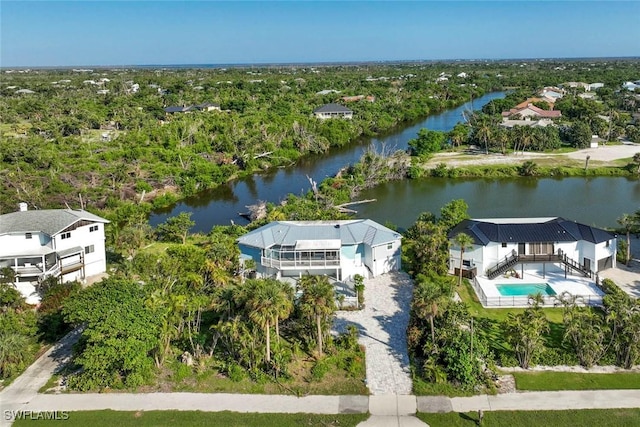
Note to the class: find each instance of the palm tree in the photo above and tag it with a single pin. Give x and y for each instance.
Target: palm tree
(14, 352)
(427, 300)
(636, 160)
(464, 241)
(267, 302)
(627, 222)
(317, 303)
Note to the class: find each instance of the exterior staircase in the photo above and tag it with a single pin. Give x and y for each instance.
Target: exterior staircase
(503, 266)
(514, 259)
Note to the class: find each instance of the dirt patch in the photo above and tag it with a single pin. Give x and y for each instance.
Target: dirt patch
(607, 155)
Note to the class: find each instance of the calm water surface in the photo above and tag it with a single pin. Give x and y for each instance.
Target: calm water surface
(595, 201)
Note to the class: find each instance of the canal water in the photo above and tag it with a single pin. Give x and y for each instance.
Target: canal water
(597, 201)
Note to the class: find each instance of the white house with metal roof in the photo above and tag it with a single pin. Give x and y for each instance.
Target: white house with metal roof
(340, 249)
(64, 243)
(499, 244)
(331, 111)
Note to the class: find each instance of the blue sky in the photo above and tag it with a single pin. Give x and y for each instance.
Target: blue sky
(67, 33)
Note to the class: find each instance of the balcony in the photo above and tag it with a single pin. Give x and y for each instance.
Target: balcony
(295, 263)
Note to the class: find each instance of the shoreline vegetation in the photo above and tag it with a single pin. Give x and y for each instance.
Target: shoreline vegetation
(72, 143)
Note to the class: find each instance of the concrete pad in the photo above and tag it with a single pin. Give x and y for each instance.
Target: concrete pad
(470, 404)
(407, 405)
(383, 404)
(411, 422)
(392, 421)
(434, 404)
(353, 404)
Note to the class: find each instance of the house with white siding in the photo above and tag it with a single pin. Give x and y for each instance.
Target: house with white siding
(65, 243)
(339, 249)
(501, 244)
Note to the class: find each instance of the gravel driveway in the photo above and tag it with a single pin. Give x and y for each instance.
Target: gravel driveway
(383, 326)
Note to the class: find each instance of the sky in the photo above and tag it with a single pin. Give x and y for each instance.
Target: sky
(77, 33)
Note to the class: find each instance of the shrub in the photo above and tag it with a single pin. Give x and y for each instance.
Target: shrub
(320, 369)
(235, 372)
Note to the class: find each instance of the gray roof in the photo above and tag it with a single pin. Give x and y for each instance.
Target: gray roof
(176, 109)
(48, 221)
(528, 231)
(206, 105)
(332, 108)
(349, 232)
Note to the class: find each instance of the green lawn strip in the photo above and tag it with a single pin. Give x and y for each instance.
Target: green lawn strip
(426, 388)
(195, 418)
(574, 418)
(552, 381)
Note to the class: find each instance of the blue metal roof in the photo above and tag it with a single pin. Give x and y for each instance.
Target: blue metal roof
(349, 232)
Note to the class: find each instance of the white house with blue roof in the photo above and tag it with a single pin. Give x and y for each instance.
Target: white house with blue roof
(65, 243)
(499, 244)
(340, 249)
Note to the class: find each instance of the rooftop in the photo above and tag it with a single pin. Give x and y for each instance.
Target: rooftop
(49, 221)
(529, 230)
(327, 233)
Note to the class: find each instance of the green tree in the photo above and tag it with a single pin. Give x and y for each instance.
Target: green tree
(580, 135)
(318, 304)
(629, 224)
(528, 168)
(453, 213)
(427, 142)
(462, 241)
(584, 329)
(267, 303)
(120, 333)
(176, 228)
(525, 332)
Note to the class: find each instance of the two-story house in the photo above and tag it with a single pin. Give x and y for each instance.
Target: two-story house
(340, 249)
(500, 244)
(64, 243)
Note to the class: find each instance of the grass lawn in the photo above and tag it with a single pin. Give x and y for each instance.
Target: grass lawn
(490, 320)
(197, 418)
(590, 417)
(552, 381)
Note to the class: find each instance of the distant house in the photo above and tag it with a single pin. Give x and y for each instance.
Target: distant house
(68, 244)
(533, 100)
(340, 249)
(542, 123)
(552, 92)
(207, 106)
(463, 75)
(595, 86)
(24, 91)
(531, 110)
(631, 85)
(501, 243)
(177, 109)
(352, 98)
(330, 111)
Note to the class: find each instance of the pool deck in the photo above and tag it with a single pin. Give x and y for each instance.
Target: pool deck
(553, 275)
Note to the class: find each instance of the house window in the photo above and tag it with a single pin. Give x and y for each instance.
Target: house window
(66, 235)
(93, 228)
(89, 249)
(29, 236)
(504, 244)
(608, 242)
(466, 262)
(390, 246)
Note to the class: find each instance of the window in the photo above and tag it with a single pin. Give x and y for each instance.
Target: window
(93, 228)
(390, 246)
(608, 243)
(89, 249)
(466, 262)
(29, 236)
(66, 235)
(504, 244)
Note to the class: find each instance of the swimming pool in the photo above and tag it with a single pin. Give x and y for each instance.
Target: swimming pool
(524, 289)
